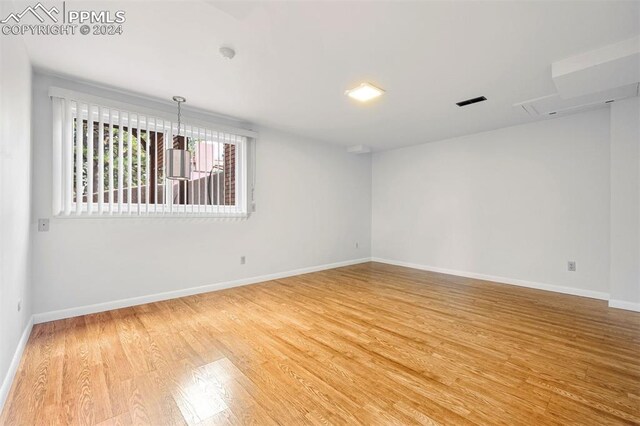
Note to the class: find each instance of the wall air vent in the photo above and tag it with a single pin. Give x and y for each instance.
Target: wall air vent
(471, 101)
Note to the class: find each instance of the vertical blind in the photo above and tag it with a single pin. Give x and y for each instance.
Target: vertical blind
(109, 161)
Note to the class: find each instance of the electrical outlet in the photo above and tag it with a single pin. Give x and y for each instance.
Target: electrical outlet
(571, 266)
(43, 225)
(243, 260)
(357, 245)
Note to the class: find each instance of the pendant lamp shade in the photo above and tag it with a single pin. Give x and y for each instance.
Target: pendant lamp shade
(178, 164)
(179, 160)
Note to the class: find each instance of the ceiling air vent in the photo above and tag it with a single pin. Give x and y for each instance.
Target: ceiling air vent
(471, 101)
(555, 105)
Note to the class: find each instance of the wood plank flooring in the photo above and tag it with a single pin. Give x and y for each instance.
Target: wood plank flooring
(365, 344)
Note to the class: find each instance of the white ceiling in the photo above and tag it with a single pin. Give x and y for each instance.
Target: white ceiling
(295, 59)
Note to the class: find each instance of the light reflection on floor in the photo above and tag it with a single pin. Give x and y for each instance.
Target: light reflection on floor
(202, 392)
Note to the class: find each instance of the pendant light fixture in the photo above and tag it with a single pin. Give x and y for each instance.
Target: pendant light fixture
(179, 160)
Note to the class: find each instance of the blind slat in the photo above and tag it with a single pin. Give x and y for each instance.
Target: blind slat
(111, 165)
(155, 169)
(129, 160)
(224, 180)
(184, 184)
(169, 184)
(146, 166)
(58, 155)
(68, 155)
(207, 190)
(79, 148)
(200, 167)
(139, 164)
(100, 161)
(89, 159)
(120, 160)
(188, 195)
(219, 173)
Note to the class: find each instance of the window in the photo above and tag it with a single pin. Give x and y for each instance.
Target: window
(109, 161)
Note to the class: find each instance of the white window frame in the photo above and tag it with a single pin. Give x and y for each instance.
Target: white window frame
(65, 101)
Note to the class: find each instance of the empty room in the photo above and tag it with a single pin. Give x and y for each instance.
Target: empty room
(319, 212)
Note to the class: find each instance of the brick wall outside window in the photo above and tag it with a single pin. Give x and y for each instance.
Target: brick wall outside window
(229, 174)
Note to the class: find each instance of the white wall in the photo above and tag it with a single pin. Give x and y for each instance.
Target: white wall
(313, 205)
(514, 203)
(625, 203)
(15, 200)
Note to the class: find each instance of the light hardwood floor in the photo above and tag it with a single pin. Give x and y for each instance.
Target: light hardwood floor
(365, 344)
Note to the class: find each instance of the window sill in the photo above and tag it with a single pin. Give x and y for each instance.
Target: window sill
(152, 216)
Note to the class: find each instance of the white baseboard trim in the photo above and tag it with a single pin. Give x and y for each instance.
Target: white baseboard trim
(157, 297)
(621, 304)
(123, 303)
(15, 363)
(530, 284)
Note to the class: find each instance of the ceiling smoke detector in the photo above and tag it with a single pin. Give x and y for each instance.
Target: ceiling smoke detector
(227, 52)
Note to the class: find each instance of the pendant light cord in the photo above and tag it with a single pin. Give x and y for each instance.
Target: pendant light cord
(180, 100)
(179, 117)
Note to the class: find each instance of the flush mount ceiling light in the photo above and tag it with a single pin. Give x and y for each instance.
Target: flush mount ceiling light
(364, 93)
(179, 160)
